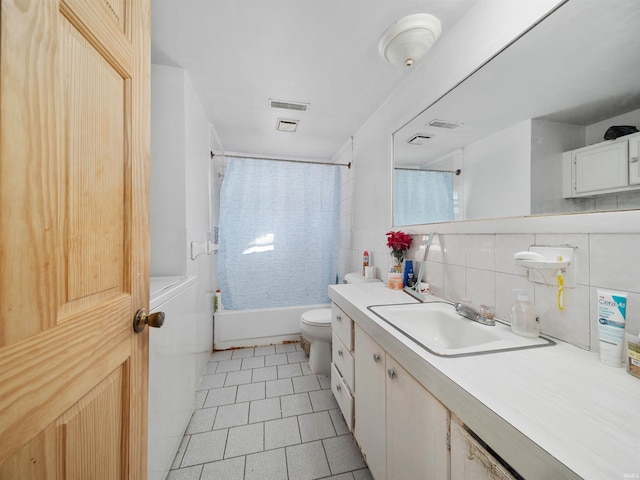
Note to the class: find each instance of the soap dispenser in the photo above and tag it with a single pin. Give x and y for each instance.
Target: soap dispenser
(524, 321)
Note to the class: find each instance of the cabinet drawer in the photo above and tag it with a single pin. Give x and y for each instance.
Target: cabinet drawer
(343, 360)
(343, 396)
(342, 326)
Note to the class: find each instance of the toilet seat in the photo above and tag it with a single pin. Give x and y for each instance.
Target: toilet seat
(319, 317)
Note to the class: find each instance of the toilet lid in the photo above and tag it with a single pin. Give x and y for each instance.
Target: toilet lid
(319, 316)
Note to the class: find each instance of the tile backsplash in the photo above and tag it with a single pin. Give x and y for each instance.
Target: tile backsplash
(480, 267)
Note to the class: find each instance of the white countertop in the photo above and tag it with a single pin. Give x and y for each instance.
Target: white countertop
(553, 412)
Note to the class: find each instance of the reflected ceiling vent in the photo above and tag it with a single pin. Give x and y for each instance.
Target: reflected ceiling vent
(443, 124)
(287, 125)
(297, 106)
(418, 139)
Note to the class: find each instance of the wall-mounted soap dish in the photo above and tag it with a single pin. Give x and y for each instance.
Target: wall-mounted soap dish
(545, 262)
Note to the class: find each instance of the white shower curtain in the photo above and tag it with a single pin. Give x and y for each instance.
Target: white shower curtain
(422, 196)
(278, 233)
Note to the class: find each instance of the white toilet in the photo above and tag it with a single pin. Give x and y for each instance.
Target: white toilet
(315, 326)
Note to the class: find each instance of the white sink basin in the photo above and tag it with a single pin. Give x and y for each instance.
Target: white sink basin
(439, 329)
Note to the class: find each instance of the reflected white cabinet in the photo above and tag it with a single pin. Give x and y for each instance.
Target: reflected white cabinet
(606, 167)
(401, 428)
(634, 160)
(470, 460)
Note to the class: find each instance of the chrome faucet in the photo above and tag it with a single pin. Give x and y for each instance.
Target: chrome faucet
(467, 311)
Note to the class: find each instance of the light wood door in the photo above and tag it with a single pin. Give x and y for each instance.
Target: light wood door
(74, 157)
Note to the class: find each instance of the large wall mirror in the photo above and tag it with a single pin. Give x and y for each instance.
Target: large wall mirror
(493, 146)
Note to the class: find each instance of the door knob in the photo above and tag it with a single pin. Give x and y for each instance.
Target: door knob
(143, 318)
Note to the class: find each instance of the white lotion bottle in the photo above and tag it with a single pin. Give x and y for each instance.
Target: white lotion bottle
(524, 321)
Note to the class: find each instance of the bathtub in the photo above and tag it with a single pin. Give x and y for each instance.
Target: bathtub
(264, 326)
(172, 369)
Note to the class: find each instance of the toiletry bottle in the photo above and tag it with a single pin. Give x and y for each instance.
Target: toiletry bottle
(217, 302)
(410, 281)
(523, 318)
(365, 261)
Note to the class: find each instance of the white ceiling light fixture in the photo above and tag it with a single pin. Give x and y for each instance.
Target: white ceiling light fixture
(418, 139)
(409, 39)
(287, 125)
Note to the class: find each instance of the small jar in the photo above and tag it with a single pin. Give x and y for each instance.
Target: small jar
(633, 354)
(395, 281)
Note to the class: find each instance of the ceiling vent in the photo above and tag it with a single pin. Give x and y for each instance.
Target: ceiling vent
(297, 106)
(287, 125)
(418, 139)
(443, 124)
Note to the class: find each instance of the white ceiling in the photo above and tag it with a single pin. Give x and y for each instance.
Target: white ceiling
(241, 53)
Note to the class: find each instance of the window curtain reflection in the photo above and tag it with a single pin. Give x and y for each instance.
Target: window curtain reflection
(278, 233)
(422, 196)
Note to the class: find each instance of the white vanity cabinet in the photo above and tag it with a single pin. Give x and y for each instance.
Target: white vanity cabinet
(342, 362)
(470, 460)
(606, 167)
(401, 428)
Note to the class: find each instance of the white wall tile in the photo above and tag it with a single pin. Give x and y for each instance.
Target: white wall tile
(570, 324)
(435, 278)
(454, 280)
(506, 247)
(436, 251)
(454, 249)
(480, 251)
(615, 262)
(507, 287)
(481, 287)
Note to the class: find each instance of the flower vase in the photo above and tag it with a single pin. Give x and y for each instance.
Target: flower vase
(397, 258)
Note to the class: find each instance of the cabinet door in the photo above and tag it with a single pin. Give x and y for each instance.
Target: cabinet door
(601, 168)
(370, 403)
(470, 460)
(417, 428)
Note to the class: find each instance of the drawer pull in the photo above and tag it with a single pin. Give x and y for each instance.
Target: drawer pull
(633, 160)
(376, 358)
(338, 318)
(340, 353)
(338, 387)
(392, 374)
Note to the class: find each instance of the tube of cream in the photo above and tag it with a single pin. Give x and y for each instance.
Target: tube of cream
(612, 313)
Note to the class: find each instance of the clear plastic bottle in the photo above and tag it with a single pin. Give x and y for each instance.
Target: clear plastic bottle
(524, 321)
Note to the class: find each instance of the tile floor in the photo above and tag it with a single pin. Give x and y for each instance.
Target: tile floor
(260, 413)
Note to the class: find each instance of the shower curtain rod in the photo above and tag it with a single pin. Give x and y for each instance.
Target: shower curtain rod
(257, 157)
(457, 172)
